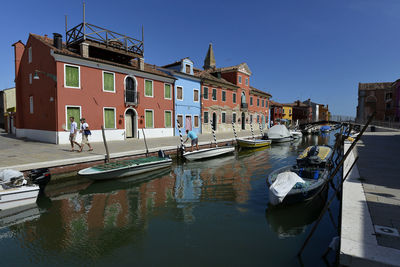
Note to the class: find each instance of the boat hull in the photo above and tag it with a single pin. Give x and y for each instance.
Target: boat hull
(131, 170)
(208, 153)
(18, 196)
(281, 139)
(249, 143)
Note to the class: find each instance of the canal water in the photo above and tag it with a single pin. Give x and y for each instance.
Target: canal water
(206, 213)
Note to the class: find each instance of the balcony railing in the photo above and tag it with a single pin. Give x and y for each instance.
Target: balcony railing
(131, 97)
(244, 105)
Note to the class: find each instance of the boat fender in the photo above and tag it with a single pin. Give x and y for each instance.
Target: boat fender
(316, 174)
(161, 153)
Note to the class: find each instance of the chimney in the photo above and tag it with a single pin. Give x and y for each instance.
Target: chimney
(84, 48)
(141, 63)
(19, 48)
(57, 40)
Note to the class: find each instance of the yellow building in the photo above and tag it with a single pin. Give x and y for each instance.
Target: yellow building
(287, 112)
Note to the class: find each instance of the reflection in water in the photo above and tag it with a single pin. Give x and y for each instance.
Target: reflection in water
(171, 213)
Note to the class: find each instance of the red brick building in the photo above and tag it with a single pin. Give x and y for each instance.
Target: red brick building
(104, 81)
(276, 112)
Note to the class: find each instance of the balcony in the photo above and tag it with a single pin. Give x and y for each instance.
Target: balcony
(244, 105)
(131, 97)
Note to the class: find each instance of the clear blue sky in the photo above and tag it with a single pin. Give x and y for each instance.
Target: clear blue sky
(318, 49)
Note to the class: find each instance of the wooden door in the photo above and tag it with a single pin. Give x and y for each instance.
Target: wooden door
(128, 125)
(188, 123)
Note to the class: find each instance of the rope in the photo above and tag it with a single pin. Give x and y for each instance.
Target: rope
(234, 130)
(212, 129)
(180, 135)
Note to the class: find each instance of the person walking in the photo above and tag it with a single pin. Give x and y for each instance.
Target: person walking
(195, 140)
(85, 134)
(72, 133)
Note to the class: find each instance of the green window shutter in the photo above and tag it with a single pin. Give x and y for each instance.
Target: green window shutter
(149, 88)
(205, 117)
(108, 81)
(109, 118)
(205, 94)
(73, 112)
(71, 76)
(234, 98)
(214, 94)
(168, 119)
(167, 91)
(149, 119)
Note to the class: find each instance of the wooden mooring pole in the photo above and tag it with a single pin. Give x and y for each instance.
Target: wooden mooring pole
(105, 144)
(145, 143)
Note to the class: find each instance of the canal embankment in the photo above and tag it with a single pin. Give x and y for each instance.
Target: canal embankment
(25, 155)
(370, 222)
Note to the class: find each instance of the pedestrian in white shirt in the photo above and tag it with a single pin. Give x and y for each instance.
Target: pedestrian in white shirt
(85, 134)
(72, 133)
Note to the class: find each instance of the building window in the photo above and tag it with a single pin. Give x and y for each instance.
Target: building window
(205, 93)
(148, 88)
(258, 102)
(108, 82)
(196, 95)
(388, 96)
(71, 76)
(168, 119)
(388, 105)
(205, 117)
(30, 78)
(196, 121)
(247, 81)
(251, 118)
(223, 96)
(30, 55)
(234, 117)
(73, 112)
(179, 93)
(31, 104)
(258, 118)
(223, 117)
(240, 79)
(234, 98)
(167, 91)
(214, 94)
(109, 118)
(180, 120)
(187, 69)
(251, 100)
(262, 103)
(149, 119)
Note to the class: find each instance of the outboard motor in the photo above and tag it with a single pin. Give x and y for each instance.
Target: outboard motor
(40, 177)
(161, 154)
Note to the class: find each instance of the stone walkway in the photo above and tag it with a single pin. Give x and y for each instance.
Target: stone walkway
(26, 154)
(371, 203)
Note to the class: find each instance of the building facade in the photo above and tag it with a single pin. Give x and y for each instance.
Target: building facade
(276, 112)
(109, 85)
(287, 112)
(8, 109)
(187, 104)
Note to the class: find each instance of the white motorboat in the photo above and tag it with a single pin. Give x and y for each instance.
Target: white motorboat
(208, 152)
(279, 134)
(296, 134)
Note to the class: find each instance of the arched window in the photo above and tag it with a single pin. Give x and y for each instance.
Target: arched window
(131, 96)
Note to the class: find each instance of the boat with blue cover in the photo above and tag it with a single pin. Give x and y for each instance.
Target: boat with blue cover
(300, 182)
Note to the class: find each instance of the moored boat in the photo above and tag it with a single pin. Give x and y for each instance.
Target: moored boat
(253, 143)
(296, 134)
(279, 134)
(208, 153)
(301, 182)
(125, 168)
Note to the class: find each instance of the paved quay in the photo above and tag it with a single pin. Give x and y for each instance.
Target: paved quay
(371, 202)
(23, 154)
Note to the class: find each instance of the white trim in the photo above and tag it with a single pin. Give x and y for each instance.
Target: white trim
(30, 54)
(152, 112)
(198, 121)
(65, 76)
(115, 117)
(223, 112)
(30, 78)
(103, 81)
(216, 94)
(170, 88)
(198, 95)
(152, 88)
(165, 125)
(31, 109)
(208, 91)
(134, 130)
(177, 115)
(75, 119)
(177, 93)
(208, 117)
(222, 95)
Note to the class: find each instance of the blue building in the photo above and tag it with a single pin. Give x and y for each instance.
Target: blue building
(187, 105)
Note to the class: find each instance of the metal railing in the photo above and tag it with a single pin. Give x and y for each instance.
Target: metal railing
(131, 97)
(244, 105)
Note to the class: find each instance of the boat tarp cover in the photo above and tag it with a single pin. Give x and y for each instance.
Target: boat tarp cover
(322, 154)
(278, 131)
(7, 174)
(325, 128)
(282, 185)
(124, 163)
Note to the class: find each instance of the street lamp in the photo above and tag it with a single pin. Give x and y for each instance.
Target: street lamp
(36, 75)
